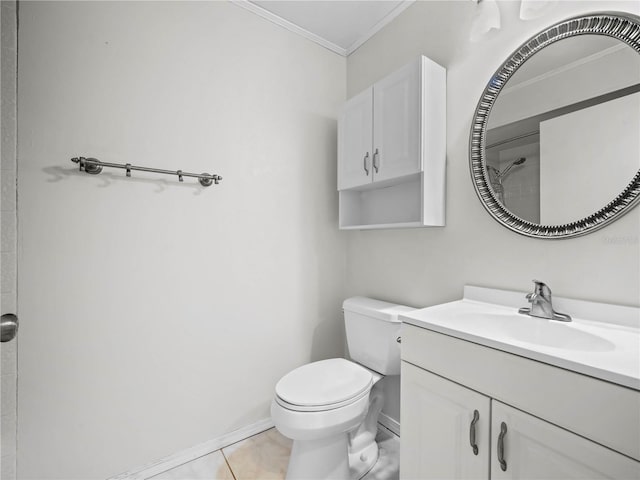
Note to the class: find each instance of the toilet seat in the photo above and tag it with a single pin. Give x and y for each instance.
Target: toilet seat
(323, 385)
(319, 408)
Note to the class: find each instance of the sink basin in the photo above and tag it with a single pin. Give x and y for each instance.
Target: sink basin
(540, 331)
(557, 335)
(602, 341)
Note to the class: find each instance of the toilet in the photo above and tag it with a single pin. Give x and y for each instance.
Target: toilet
(330, 408)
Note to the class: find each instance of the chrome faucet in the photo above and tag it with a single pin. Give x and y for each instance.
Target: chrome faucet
(541, 306)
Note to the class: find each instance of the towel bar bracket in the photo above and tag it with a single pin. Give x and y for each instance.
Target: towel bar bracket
(91, 168)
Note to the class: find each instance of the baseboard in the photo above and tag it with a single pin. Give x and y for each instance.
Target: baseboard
(390, 423)
(177, 459)
(189, 454)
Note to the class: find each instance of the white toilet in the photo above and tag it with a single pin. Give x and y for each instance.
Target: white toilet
(330, 408)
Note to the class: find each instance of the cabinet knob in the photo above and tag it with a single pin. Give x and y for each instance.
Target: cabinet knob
(366, 157)
(376, 160)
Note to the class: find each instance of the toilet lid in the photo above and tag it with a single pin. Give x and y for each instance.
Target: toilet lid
(325, 382)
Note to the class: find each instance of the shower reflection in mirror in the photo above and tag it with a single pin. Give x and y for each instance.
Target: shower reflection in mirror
(514, 176)
(562, 138)
(513, 166)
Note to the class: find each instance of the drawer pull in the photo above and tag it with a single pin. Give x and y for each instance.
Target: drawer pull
(472, 432)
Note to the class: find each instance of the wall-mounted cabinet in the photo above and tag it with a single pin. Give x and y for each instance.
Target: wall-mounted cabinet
(392, 151)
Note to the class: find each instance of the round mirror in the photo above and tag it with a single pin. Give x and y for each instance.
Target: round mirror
(555, 140)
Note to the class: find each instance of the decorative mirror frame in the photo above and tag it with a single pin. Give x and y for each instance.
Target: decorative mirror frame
(626, 28)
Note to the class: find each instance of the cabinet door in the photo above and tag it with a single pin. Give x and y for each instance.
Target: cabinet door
(396, 124)
(355, 137)
(436, 418)
(537, 449)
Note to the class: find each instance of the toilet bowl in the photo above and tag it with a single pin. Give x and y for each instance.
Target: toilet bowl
(330, 408)
(317, 405)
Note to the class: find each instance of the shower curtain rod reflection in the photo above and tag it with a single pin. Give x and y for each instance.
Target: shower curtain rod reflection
(513, 139)
(95, 166)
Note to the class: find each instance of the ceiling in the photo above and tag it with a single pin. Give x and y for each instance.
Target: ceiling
(341, 26)
(564, 55)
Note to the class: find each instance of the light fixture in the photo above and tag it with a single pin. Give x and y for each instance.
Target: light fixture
(486, 18)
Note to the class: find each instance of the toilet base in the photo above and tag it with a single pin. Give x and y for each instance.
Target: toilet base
(363, 448)
(362, 462)
(324, 458)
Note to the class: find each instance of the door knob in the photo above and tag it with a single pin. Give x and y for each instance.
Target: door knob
(8, 327)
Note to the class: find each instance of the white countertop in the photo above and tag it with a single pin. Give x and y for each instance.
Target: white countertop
(602, 341)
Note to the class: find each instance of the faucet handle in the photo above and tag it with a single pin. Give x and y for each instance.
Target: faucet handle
(540, 300)
(541, 288)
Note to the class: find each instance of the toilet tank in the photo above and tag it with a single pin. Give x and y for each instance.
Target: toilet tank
(372, 329)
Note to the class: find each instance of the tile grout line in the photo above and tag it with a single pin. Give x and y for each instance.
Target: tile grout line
(226, 460)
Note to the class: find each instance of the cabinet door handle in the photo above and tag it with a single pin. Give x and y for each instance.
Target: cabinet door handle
(366, 157)
(503, 432)
(472, 432)
(376, 160)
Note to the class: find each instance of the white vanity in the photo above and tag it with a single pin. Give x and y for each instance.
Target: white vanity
(490, 393)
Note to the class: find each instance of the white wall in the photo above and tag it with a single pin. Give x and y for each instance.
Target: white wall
(158, 315)
(429, 266)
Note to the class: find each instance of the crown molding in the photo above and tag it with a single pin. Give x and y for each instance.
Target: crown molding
(292, 27)
(388, 18)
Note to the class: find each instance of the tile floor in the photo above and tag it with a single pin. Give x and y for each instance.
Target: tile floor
(265, 456)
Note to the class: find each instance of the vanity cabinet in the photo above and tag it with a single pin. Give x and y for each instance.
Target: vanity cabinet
(534, 421)
(440, 426)
(391, 150)
(537, 449)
